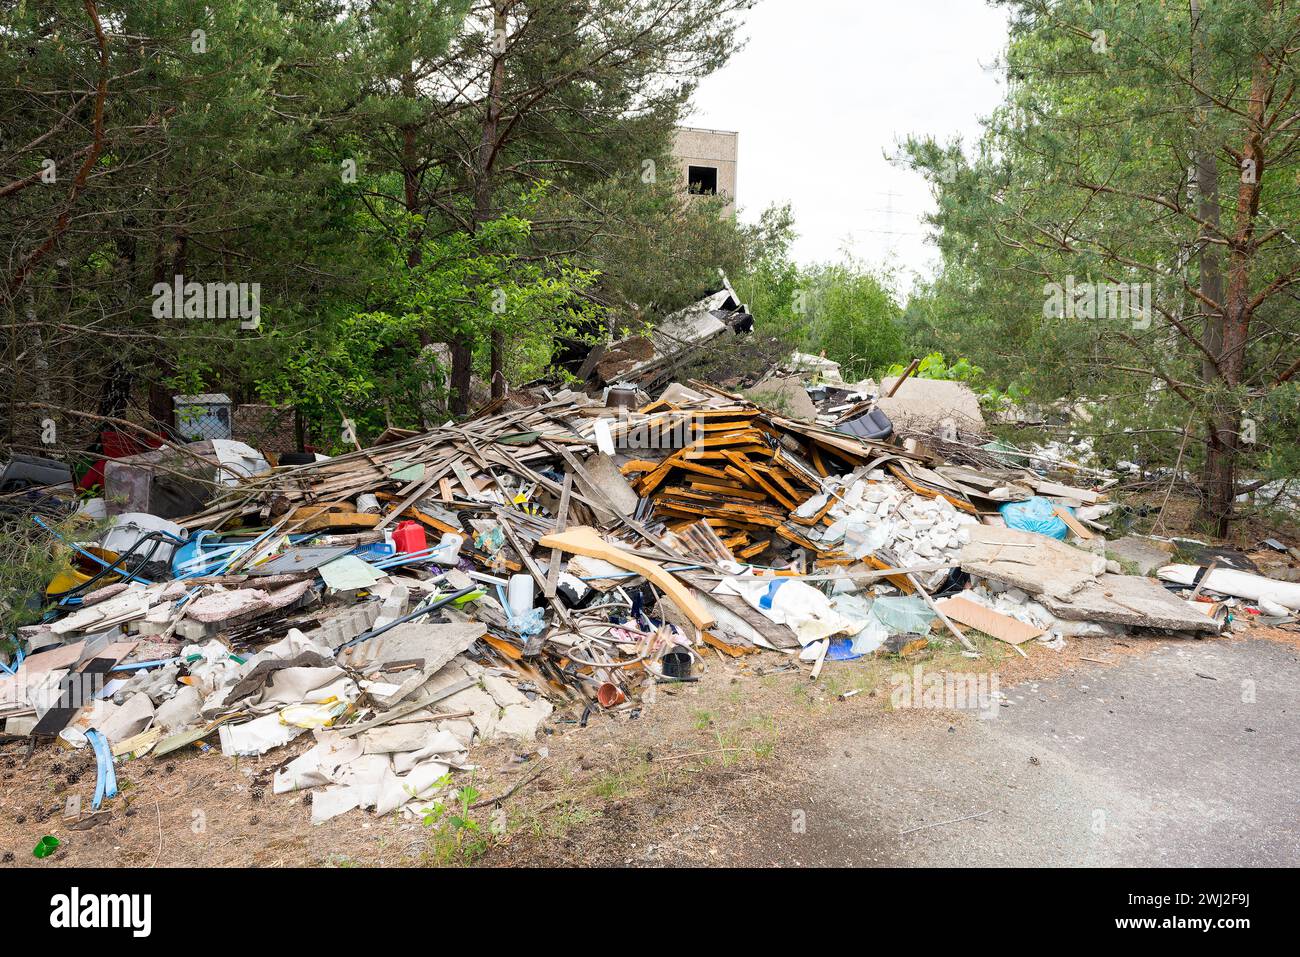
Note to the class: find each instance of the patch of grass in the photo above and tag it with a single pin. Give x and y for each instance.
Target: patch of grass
(1127, 565)
(553, 822)
(571, 814)
(610, 786)
(833, 681)
(866, 674)
(728, 743)
(773, 400)
(769, 735)
(702, 720)
(989, 647)
(456, 838)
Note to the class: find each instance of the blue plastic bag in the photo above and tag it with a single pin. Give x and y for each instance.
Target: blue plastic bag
(841, 649)
(1036, 515)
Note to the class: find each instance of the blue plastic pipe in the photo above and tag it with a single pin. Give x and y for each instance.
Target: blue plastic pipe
(105, 775)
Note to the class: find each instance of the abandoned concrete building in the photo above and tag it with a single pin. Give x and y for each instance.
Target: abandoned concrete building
(707, 160)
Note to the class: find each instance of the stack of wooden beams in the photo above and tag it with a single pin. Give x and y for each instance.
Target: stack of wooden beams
(743, 471)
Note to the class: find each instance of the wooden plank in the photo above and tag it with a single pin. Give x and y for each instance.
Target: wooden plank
(422, 517)
(687, 464)
(902, 582)
(561, 522)
(413, 496)
(466, 480)
(639, 465)
(656, 478)
(797, 467)
(721, 496)
(1086, 496)
(727, 648)
(1073, 523)
(751, 470)
(775, 476)
(928, 492)
(583, 540)
(733, 491)
(502, 646)
(337, 520)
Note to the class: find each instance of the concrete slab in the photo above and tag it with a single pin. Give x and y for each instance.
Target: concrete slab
(1033, 563)
(785, 395)
(1130, 600)
(1147, 554)
(924, 403)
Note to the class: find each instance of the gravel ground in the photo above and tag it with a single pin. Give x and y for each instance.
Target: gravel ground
(1130, 752)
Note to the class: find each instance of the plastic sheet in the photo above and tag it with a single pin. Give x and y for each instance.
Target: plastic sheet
(1037, 514)
(909, 615)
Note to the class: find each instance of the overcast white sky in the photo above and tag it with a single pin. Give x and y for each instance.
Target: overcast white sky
(822, 93)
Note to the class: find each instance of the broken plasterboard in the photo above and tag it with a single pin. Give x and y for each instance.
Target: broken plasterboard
(411, 653)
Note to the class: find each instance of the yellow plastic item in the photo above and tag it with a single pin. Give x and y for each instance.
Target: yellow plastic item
(70, 577)
(319, 714)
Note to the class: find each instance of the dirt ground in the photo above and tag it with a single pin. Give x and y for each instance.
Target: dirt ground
(679, 783)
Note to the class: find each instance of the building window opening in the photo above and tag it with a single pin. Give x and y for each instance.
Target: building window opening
(703, 179)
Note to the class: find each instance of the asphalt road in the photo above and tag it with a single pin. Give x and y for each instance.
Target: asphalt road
(1186, 756)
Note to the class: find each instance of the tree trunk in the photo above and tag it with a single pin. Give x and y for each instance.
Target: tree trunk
(411, 200)
(483, 172)
(1225, 439)
(1211, 269)
(410, 177)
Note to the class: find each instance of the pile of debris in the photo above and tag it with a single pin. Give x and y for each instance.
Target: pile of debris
(557, 554)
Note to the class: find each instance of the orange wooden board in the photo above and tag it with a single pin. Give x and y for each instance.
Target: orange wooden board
(1004, 627)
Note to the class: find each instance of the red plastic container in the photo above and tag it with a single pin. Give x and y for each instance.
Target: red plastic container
(409, 537)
